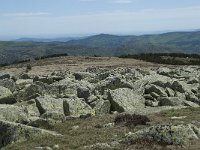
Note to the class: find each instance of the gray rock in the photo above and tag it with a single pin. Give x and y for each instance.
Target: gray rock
(154, 95)
(166, 134)
(31, 109)
(13, 113)
(4, 76)
(170, 92)
(76, 107)
(156, 89)
(25, 76)
(84, 76)
(112, 83)
(21, 83)
(92, 99)
(28, 93)
(125, 100)
(6, 96)
(49, 104)
(191, 104)
(13, 132)
(191, 97)
(149, 97)
(181, 87)
(43, 123)
(83, 92)
(193, 81)
(8, 83)
(164, 71)
(170, 101)
(47, 79)
(54, 115)
(151, 103)
(102, 107)
(69, 86)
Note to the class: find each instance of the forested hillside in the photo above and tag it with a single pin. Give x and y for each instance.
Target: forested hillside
(103, 45)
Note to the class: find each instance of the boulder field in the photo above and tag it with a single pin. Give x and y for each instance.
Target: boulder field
(28, 99)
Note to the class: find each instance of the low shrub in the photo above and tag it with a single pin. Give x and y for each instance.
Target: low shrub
(131, 120)
(28, 67)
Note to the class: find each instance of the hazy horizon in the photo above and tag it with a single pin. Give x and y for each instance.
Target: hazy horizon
(12, 38)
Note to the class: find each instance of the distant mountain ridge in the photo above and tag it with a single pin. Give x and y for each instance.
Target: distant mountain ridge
(64, 39)
(101, 45)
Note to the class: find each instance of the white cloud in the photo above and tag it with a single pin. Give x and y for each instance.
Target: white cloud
(24, 14)
(104, 22)
(122, 1)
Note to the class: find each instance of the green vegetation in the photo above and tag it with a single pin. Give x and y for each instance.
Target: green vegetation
(168, 58)
(131, 120)
(87, 133)
(103, 45)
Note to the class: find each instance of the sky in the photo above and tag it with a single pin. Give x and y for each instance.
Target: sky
(54, 18)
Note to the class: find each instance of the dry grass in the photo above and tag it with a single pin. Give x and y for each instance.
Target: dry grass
(88, 134)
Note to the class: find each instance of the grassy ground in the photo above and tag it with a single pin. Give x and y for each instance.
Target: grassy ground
(88, 133)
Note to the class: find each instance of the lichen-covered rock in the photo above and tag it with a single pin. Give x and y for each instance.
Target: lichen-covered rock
(156, 89)
(170, 101)
(30, 92)
(30, 108)
(166, 134)
(21, 83)
(8, 83)
(181, 87)
(12, 132)
(13, 113)
(125, 100)
(170, 92)
(102, 107)
(49, 104)
(4, 76)
(83, 92)
(47, 79)
(53, 115)
(112, 83)
(76, 107)
(84, 76)
(6, 96)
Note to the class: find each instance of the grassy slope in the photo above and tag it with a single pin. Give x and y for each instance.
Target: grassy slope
(88, 134)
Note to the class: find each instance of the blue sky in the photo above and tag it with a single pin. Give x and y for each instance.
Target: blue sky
(48, 18)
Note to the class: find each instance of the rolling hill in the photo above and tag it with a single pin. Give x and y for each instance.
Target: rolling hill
(102, 45)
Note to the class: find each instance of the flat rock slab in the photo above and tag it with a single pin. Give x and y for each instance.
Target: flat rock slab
(12, 132)
(125, 100)
(166, 134)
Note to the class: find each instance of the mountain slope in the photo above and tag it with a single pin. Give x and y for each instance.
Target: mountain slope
(103, 45)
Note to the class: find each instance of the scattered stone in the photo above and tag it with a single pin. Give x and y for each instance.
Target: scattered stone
(13, 113)
(181, 117)
(76, 107)
(102, 107)
(8, 83)
(155, 89)
(170, 101)
(49, 104)
(125, 100)
(56, 147)
(75, 128)
(12, 132)
(166, 134)
(6, 96)
(4, 76)
(21, 83)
